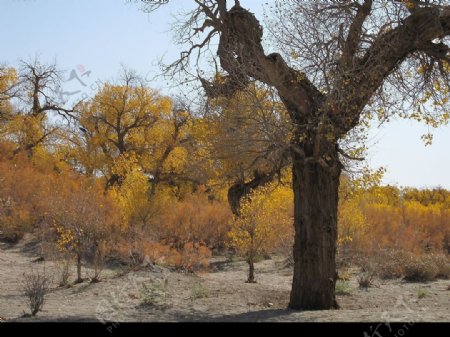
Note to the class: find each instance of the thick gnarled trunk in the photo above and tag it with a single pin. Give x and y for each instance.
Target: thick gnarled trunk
(315, 188)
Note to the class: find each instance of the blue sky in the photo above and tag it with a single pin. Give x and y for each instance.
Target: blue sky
(100, 35)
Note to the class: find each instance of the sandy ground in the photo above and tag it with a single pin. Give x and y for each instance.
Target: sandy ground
(219, 295)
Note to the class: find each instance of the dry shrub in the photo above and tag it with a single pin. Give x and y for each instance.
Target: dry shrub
(98, 260)
(84, 219)
(20, 194)
(35, 287)
(126, 253)
(121, 252)
(46, 196)
(155, 293)
(191, 258)
(137, 252)
(442, 262)
(195, 258)
(365, 280)
(196, 219)
(389, 264)
(380, 218)
(344, 275)
(390, 270)
(63, 266)
(182, 236)
(420, 270)
(199, 291)
(155, 252)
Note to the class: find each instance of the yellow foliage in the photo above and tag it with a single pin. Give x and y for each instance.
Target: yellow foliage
(8, 77)
(243, 127)
(125, 164)
(265, 222)
(176, 160)
(65, 238)
(125, 128)
(373, 217)
(132, 197)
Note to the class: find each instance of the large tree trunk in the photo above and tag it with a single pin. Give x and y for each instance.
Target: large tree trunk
(315, 187)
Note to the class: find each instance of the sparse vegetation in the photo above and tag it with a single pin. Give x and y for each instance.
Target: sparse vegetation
(422, 293)
(199, 291)
(98, 260)
(155, 292)
(35, 287)
(343, 288)
(390, 264)
(344, 275)
(419, 269)
(207, 295)
(442, 262)
(365, 280)
(64, 271)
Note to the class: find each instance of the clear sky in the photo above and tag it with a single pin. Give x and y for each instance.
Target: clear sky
(100, 35)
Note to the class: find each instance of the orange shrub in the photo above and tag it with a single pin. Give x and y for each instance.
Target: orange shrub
(416, 221)
(189, 258)
(155, 252)
(20, 197)
(195, 219)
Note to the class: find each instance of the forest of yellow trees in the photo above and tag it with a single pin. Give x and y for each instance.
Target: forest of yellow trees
(132, 175)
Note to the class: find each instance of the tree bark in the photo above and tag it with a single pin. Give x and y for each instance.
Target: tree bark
(315, 188)
(251, 269)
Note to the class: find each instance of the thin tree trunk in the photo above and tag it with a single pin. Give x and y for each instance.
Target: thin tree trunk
(79, 279)
(251, 269)
(315, 221)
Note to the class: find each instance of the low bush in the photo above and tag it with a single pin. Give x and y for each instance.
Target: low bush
(442, 263)
(420, 269)
(35, 287)
(389, 264)
(342, 288)
(365, 280)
